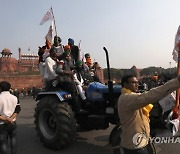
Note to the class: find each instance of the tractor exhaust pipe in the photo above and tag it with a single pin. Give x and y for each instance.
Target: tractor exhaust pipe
(110, 83)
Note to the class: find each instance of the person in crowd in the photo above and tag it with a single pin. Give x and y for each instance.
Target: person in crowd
(23, 92)
(75, 52)
(9, 109)
(33, 92)
(41, 64)
(67, 48)
(43, 53)
(94, 69)
(16, 93)
(50, 68)
(133, 111)
(79, 81)
(83, 70)
(58, 46)
(66, 81)
(88, 60)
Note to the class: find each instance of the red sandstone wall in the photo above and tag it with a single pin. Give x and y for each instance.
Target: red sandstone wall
(8, 65)
(24, 81)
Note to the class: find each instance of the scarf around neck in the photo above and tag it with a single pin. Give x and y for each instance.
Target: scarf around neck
(145, 109)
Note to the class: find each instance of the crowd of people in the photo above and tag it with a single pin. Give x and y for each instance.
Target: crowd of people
(148, 82)
(25, 92)
(65, 67)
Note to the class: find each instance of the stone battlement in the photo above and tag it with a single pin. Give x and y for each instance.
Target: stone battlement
(19, 71)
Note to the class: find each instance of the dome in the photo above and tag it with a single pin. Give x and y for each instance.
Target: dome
(6, 51)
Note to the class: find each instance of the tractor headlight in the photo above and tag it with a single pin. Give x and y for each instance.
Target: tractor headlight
(67, 96)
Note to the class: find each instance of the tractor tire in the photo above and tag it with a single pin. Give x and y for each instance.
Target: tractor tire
(54, 122)
(115, 140)
(113, 132)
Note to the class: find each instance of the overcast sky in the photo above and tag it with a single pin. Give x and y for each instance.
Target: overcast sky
(136, 32)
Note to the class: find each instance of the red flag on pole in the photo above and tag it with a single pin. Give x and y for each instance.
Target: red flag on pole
(47, 16)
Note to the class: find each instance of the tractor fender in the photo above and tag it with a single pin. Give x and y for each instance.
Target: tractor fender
(59, 94)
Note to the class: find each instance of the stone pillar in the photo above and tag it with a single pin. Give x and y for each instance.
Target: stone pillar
(19, 49)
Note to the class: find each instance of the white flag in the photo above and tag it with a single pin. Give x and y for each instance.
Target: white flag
(48, 36)
(47, 16)
(176, 45)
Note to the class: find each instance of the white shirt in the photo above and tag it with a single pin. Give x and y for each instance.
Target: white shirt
(77, 81)
(42, 68)
(8, 104)
(50, 67)
(60, 49)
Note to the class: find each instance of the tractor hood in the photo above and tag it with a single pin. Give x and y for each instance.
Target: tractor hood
(96, 90)
(102, 88)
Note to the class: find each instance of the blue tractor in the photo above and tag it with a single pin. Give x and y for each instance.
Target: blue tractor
(56, 122)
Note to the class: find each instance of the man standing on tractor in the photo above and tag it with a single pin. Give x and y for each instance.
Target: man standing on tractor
(57, 45)
(133, 110)
(75, 52)
(92, 67)
(88, 60)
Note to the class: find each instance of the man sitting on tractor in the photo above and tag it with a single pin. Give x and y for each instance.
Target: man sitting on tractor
(80, 80)
(50, 67)
(65, 77)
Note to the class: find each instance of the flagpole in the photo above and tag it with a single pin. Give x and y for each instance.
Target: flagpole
(54, 22)
(79, 44)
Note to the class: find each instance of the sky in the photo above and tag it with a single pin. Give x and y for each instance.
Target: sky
(135, 32)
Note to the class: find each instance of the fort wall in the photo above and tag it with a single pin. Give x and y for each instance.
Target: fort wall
(26, 81)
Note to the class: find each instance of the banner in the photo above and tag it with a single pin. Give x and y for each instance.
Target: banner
(47, 16)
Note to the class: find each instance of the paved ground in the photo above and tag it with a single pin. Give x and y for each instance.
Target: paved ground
(95, 142)
(90, 142)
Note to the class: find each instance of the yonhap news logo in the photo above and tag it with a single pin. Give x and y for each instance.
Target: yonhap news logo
(140, 140)
(158, 140)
